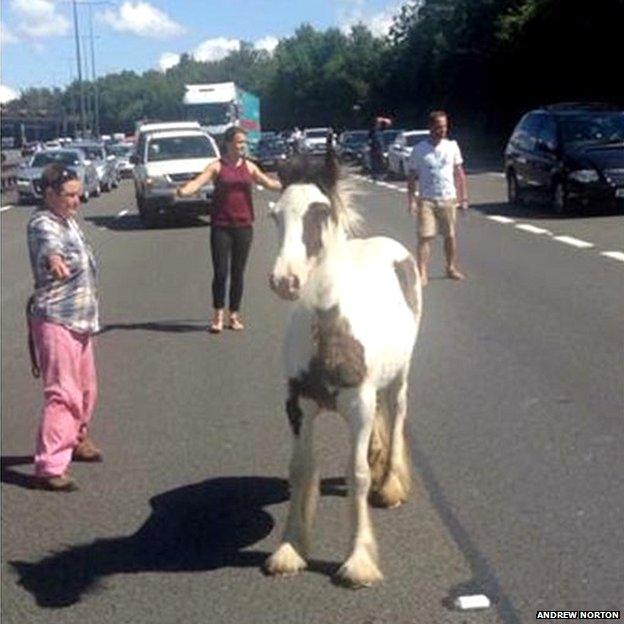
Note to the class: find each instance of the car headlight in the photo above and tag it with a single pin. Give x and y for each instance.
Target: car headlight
(585, 175)
(157, 181)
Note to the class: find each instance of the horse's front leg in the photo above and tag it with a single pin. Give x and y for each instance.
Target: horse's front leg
(361, 567)
(289, 557)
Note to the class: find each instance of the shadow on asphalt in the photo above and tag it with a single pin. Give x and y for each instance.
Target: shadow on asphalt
(14, 477)
(200, 527)
(175, 327)
(132, 222)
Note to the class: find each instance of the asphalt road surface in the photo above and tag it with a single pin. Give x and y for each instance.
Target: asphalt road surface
(516, 428)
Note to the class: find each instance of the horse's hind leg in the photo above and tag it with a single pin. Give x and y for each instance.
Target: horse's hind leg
(289, 557)
(397, 482)
(361, 567)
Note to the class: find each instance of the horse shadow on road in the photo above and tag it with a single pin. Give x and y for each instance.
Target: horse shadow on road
(132, 222)
(200, 527)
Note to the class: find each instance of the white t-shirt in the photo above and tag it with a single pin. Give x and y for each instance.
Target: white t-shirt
(435, 166)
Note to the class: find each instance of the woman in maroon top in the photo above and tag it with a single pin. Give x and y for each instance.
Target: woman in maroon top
(232, 222)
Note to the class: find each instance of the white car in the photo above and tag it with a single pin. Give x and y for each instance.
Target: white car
(168, 159)
(314, 140)
(399, 152)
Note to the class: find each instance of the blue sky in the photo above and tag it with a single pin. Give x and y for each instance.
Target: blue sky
(38, 45)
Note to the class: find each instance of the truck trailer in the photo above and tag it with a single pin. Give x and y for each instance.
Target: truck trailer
(219, 106)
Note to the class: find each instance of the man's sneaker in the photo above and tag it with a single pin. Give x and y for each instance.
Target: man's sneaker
(86, 451)
(63, 483)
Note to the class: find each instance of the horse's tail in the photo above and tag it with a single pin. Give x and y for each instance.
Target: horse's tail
(390, 481)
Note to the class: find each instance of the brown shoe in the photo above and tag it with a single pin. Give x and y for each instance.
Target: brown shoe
(86, 451)
(62, 483)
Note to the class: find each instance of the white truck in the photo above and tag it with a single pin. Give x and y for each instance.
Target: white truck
(168, 155)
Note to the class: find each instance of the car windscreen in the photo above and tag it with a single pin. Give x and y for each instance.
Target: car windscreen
(355, 138)
(412, 139)
(272, 145)
(45, 158)
(315, 134)
(120, 150)
(577, 130)
(177, 148)
(92, 153)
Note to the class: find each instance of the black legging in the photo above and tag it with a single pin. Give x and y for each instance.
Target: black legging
(230, 248)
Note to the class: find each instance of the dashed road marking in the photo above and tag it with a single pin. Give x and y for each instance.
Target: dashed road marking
(575, 242)
(616, 255)
(6, 208)
(123, 213)
(527, 227)
(500, 219)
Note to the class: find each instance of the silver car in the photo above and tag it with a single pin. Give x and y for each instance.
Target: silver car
(105, 166)
(122, 153)
(29, 176)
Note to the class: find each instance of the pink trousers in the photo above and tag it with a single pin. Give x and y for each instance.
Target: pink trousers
(69, 390)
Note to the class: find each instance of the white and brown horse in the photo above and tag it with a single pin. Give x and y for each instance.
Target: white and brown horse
(347, 349)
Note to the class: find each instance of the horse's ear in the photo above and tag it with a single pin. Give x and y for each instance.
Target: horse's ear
(332, 168)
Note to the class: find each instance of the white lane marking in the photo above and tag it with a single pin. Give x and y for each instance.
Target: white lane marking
(527, 227)
(6, 208)
(122, 213)
(496, 174)
(616, 255)
(499, 219)
(575, 242)
(401, 190)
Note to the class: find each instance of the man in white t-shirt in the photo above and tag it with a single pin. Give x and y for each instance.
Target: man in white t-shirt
(436, 185)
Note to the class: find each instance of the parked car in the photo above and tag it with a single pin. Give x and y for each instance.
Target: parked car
(170, 158)
(314, 140)
(569, 155)
(105, 166)
(349, 148)
(388, 137)
(399, 152)
(122, 153)
(29, 177)
(270, 152)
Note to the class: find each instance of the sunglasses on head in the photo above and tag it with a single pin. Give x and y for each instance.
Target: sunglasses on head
(64, 176)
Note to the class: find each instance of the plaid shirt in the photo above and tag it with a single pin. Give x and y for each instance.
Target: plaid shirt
(71, 302)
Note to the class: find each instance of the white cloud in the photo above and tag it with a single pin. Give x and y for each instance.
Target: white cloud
(352, 12)
(7, 94)
(143, 19)
(6, 36)
(38, 19)
(215, 49)
(168, 60)
(268, 43)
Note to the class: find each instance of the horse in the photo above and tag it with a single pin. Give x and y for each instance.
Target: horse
(348, 347)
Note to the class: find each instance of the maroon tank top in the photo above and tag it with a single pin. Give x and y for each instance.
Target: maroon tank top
(233, 206)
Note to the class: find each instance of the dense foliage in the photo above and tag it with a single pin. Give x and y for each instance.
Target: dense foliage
(483, 60)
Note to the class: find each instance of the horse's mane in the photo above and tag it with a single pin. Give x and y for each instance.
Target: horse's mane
(328, 177)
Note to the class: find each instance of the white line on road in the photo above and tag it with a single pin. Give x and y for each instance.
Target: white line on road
(499, 219)
(527, 227)
(575, 242)
(616, 255)
(122, 213)
(5, 208)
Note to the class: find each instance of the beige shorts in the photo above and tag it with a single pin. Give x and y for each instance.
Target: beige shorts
(435, 215)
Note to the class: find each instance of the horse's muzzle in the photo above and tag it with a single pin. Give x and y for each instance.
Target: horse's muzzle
(285, 287)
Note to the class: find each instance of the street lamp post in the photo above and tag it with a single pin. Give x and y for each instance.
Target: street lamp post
(83, 120)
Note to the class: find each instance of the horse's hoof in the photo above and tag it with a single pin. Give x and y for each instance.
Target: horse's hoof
(358, 572)
(285, 561)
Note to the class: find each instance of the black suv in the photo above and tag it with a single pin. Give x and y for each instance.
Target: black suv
(570, 155)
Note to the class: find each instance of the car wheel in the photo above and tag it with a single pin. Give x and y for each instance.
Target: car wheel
(106, 187)
(514, 196)
(560, 201)
(85, 197)
(115, 182)
(402, 170)
(97, 190)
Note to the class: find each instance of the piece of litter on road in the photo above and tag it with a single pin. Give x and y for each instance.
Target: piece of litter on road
(258, 187)
(477, 601)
